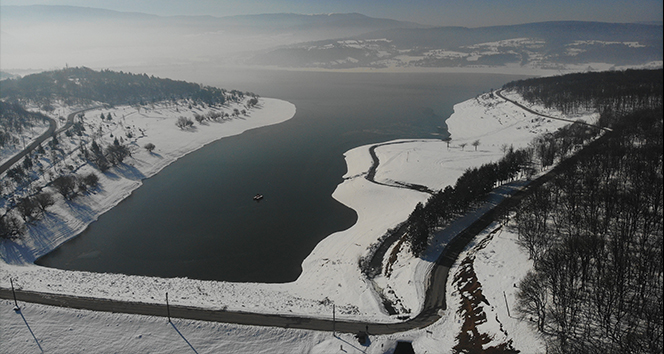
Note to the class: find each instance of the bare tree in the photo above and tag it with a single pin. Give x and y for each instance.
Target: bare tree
(184, 122)
(10, 227)
(149, 147)
(90, 180)
(117, 153)
(27, 208)
(44, 200)
(532, 298)
(65, 185)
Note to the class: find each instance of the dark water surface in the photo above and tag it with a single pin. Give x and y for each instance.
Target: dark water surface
(197, 219)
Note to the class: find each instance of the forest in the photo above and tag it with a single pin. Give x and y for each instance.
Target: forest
(595, 230)
(618, 91)
(84, 85)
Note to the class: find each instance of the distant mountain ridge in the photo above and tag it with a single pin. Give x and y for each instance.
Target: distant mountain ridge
(57, 35)
(52, 36)
(283, 18)
(343, 22)
(544, 44)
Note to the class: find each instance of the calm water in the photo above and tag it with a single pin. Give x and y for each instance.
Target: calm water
(197, 219)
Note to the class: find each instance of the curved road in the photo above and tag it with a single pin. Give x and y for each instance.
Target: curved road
(374, 167)
(51, 131)
(47, 134)
(433, 304)
(499, 93)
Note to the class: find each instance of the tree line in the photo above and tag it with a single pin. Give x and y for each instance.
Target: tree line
(472, 187)
(475, 183)
(81, 85)
(595, 231)
(619, 91)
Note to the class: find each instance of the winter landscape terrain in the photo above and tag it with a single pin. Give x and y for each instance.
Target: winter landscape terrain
(331, 274)
(111, 146)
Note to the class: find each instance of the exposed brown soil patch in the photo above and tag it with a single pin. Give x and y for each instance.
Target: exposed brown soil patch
(470, 339)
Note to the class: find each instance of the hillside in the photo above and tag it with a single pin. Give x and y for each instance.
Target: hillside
(83, 85)
(552, 45)
(101, 142)
(594, 232)
(484, 281)
(51, 36)
(18, 127)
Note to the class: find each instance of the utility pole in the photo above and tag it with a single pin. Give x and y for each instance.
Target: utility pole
(168, 309)
(16, 308)
(334, 322)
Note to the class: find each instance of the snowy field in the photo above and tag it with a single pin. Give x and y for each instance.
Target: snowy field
(330, 273)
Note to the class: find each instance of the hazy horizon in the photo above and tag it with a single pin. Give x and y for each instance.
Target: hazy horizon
(475, 13)
(45, 39)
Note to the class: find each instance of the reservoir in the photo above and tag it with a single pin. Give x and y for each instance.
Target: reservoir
(197, 217)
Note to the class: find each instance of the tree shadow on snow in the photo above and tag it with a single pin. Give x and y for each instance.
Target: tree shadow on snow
(25, 249)
(129, 172)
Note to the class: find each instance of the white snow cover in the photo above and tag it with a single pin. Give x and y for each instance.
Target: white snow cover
(30, 134)
(329, 272)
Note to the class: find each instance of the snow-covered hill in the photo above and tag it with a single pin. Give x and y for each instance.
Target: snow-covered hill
(545, 47)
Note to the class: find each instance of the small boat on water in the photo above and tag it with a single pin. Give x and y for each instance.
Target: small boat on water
(258, 197)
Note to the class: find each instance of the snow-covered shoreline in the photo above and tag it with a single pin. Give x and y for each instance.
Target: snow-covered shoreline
(66, 220)
(331, 273)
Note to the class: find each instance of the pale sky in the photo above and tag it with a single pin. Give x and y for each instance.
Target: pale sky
(467, 13)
